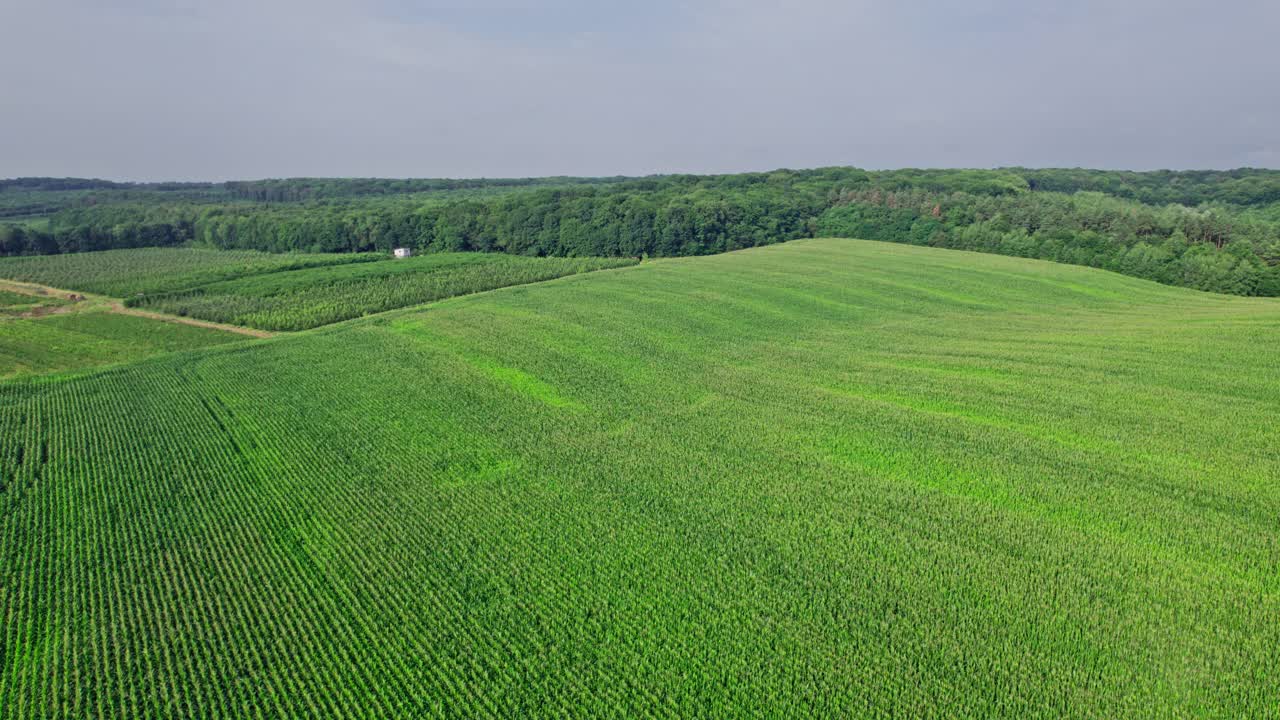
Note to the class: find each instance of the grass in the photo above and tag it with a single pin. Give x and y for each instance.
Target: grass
(304, 299)
(75, 341)
(9, 299)
(125, 273)
(14, 305)
(19, 300)
(825, 478)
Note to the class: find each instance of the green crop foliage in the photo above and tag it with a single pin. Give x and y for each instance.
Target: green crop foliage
(305, 299)
(124, 273)
(827, 478)
(88, 339)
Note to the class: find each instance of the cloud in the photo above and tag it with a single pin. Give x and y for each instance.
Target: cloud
(145, 89)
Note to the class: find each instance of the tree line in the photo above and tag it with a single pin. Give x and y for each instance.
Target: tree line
(1205, 242)
(1205, 248)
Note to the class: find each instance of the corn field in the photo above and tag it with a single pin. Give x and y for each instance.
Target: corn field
(305, 299)
(818, 479)
(82, 340)
(126, 273)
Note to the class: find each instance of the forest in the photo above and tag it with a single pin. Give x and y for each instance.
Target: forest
(1210, 230)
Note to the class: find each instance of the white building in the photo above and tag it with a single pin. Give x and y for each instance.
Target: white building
(403, 252)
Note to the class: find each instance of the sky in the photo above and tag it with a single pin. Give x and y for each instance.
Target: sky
(244, 89)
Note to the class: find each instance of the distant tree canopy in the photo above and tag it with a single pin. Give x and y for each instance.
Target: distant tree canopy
(1245, 187)
(1206, 248)
(47, 184)
(1214, 230)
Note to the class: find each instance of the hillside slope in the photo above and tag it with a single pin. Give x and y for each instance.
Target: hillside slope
(829, 477)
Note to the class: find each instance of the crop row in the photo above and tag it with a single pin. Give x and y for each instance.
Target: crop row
(823, 480)
(125, 273)
(309, 298)
(78, 340)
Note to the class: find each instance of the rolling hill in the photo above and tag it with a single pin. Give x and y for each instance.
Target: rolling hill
(826, 478)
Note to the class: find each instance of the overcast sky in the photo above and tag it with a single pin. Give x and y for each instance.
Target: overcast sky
(223, 89)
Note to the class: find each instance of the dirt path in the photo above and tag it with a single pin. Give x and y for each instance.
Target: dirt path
(34, 290)
(117, 307)
(79, 302)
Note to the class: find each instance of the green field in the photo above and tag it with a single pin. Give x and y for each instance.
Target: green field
(286, 292)
(828, 478)
(12, 303)
(122, 273)
(75, 341)
(305, 299)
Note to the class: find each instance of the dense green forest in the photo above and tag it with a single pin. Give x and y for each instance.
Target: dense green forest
(1211, 230)
(37, 196)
